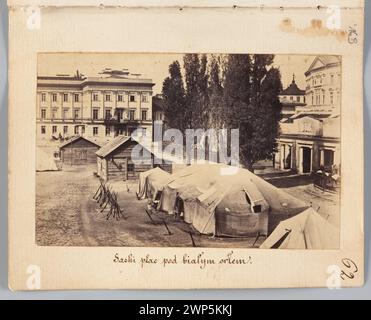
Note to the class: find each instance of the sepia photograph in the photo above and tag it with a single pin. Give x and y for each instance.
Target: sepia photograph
(220, 142)
(188, 150)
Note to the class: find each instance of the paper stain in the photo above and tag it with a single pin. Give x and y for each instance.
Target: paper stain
(316, 29)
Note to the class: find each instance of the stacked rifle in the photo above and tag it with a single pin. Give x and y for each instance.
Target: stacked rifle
(108, 198)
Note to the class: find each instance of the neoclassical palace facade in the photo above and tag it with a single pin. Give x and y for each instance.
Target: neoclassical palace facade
(310, 128)
(115, 103)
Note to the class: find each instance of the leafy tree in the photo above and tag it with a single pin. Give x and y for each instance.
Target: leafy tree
(174, 98)
(196, 79)
(236, 100)
(251, 89)
(215, 94)
(271, 111)
(237, 91)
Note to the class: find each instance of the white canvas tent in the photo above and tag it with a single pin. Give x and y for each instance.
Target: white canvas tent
(143, 187)
(212, 202)
(155, 183)
(188, 204)
(196, 179)
(307, 230)
(44, 162)
(232, 210)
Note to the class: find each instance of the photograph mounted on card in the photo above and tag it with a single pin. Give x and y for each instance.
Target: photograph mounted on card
(219, 155)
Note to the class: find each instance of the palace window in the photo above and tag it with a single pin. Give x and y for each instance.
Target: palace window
(65, 97)
(65, 129)
(144, 114)
(65, 113)
(43, 129)
(43, 97)
(130, 167)
(95, 96)
(43, 113)
(82, 129)
(95, 131)
(132, 114)
(108, 131)
(54, 113)
(331, 97)
(298, 99)
(77, 97)
(54, 129)
(108, 97)
(144, 98)
(95, 114)
(120, 114)
(76, 130)
(120, 98)
(291, 98)
(55, 97)
(76, 114)
(108, 115)
(132, 98)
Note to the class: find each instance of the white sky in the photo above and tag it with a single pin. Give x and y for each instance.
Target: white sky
(152, 66)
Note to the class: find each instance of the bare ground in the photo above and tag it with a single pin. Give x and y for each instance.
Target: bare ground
(67, 215)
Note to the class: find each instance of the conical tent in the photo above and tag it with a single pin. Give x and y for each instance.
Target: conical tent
(201, 179)
(188, 201)
(204, 216)
(221, 201)
(282, 205)
(155, 183)
(190, 176)
(235, 210)
(307, 230)
(143, 191)
(44, 162)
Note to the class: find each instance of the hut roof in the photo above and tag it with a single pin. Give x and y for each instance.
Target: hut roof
(76, 138)
(112, 146)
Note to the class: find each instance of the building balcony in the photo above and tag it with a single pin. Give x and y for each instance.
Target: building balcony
(112, 121)
(115, 121)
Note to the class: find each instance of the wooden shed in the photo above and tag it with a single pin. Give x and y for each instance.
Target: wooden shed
(114, 160)
(79, 151)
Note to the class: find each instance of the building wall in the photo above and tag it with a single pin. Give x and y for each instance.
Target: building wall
(79, 152)
(119, 165)
(323, 89)
(293, 99)
(70, 102)
(102, 168)
(318, 126)
(317, 146)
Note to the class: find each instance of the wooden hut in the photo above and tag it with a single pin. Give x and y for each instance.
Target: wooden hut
(114, 160)
(79, 151)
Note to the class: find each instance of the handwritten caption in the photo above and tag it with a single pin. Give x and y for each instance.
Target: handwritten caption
(200, 260)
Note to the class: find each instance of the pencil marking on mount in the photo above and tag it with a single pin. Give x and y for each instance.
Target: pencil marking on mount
(353, 35)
